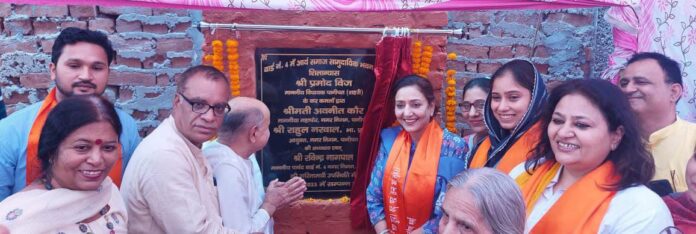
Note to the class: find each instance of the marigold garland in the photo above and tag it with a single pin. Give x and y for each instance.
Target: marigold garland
(426, 58)
(416, 57)
(450, 102)
(233, 66)
(217, 59)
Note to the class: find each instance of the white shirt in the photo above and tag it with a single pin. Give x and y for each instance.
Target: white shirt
(632, 210)
(239, 189)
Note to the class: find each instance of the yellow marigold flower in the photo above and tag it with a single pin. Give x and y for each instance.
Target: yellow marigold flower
(452, 56)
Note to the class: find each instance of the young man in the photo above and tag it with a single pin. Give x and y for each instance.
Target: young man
(653, 84)
(168, 188)
(243, 204)
(79, 65)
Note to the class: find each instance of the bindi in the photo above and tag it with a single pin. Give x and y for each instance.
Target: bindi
(98, 142)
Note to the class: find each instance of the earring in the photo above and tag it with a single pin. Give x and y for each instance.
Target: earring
(613, 147)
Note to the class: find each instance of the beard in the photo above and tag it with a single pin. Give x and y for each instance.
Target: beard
(69, 91)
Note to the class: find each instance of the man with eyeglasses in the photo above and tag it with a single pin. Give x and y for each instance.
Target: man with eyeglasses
(168, 188)
(653, 84)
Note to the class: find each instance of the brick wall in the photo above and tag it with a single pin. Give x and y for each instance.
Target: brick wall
(564, 44)
(153, 46)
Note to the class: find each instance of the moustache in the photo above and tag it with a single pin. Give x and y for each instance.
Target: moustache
(84, 83)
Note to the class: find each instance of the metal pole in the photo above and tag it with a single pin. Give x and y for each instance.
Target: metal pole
(268, 27)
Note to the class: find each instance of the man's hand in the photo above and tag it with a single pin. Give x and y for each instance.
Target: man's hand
(282, 194)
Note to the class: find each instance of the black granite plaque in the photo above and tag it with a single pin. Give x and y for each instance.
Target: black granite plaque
(317, 98)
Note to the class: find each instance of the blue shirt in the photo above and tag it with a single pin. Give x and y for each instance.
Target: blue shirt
(3, 112)
(14, 135)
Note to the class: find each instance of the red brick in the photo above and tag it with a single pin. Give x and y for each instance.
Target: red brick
(542, 68)
(125, 10)
(128, 26)
(45, 27)
(588, 54)
(541, 52)
(16, 97)
(488, 67)
(82, 11)
(125, 94)
(181, 27)
(520, 17)
(76, 24)
(179, 44)
(104, 24)
(131, 78)
(146, 131)
(47, 45)
(427, 20)
(522, 51)
(130, 62)
(12, 45)
(18, 27)
(180, 62)
(5, 9)
(156, 28)
(162, 80)
(51, 11)
(483, 17)
(36, 80)
(150, 62)
(576, 20)
(474, 33)
(471, 67)
(163, 113)
(501, 52)
(140, 115)
(163, 11)
(469, 51)
(586, 70)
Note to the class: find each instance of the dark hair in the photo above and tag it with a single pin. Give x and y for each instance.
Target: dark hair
(72, 35)
(207, 71)
(421, 83)
(234, 120)
(69, 115)
(669, 66)
(521, 70)
(631, 159)
(482, 83)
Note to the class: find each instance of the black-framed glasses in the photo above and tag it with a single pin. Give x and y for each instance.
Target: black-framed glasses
(202, 108)
(478, 104)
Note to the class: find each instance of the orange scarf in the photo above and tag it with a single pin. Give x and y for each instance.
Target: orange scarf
(407, 213)
(514, 156)
(580, 209)
(33, 166)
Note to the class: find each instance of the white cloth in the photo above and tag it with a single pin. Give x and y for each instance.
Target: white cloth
(238, 189)
(632, 210)
(168, 186)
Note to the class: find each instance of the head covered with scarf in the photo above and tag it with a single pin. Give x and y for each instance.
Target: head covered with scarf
(502, 139)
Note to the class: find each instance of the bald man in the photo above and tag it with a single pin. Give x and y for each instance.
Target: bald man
(243, 204)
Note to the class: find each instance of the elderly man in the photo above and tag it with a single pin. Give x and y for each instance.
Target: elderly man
(653, 84)
(79, 65)
(483, 201)
(242, 202)
(168, 188)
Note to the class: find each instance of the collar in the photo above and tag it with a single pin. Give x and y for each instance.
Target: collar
(667, 131)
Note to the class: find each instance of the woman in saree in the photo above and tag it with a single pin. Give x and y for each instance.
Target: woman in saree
(511, 113)
(77, 148)
(589, 171)
(415, 162)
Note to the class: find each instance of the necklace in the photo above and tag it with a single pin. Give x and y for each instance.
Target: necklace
(86, 228)
(47, 183)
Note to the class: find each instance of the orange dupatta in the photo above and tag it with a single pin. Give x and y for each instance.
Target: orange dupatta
(580, 209)
(514, 156)
(33, 167)
(406, 213)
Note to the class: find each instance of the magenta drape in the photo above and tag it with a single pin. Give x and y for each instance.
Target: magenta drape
(393, 61)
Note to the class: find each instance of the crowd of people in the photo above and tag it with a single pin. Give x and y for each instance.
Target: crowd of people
(586, 156)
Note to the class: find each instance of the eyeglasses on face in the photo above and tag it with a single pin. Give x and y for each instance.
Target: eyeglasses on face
(478, 104)
(202, 108)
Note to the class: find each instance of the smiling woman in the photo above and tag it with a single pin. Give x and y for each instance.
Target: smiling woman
(414, 163)
(588, 173)
(78, 146)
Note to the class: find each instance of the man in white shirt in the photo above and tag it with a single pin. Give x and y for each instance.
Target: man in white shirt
(168, 185)
(242, 202)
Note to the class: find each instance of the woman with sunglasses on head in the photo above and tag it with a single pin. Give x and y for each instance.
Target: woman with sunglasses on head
(414, 163)
(474, 96)
(511, 113)
(78, 146)
(589, 171)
